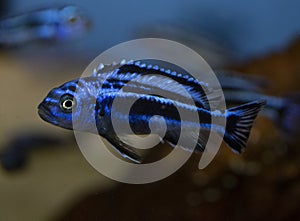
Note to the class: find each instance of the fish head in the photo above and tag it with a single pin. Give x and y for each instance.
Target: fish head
(56, 108)
(72, 22)
(72, 105)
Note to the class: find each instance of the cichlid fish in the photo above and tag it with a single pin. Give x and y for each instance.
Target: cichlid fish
(54, 24)
(284, 112)
(108, 80)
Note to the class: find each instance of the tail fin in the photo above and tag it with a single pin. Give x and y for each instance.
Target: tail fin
(239, 123)
(288, 119)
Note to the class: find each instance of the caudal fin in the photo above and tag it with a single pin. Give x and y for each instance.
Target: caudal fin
(239, 123)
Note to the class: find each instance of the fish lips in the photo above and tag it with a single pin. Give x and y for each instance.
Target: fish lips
(46, 114)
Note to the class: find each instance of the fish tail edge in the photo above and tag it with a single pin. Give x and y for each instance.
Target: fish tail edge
(239, 121)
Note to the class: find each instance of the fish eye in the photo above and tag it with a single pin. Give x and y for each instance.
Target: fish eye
(72, 19)
(67, 102)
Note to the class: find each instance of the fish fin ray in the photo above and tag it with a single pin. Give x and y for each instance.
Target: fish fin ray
(108, 68)
(239, 123)
(157, 83)
(124, 149)
(192, 141)
(204, 95)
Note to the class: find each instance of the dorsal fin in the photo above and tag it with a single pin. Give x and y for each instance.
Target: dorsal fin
(108, 68)
(160, 85)
(204, 94)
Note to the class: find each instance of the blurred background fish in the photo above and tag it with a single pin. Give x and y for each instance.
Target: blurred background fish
(47, 25)
(15, 155)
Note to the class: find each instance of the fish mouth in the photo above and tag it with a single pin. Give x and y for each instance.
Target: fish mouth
(46, 114)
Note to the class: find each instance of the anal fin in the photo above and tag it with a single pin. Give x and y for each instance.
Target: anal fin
(123, 149)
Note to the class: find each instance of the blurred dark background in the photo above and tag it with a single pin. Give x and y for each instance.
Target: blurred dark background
(45, 177)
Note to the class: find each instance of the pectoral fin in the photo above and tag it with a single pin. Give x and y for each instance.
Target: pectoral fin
(123, 149)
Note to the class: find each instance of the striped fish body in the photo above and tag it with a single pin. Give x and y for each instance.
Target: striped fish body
(125, 84)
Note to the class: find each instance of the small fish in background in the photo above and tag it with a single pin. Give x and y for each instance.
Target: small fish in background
(14, 155)
(105, 83)
(284, 112)
(45, 25)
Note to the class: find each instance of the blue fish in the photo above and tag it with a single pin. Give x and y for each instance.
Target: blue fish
(106, 83)
(52, 24)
